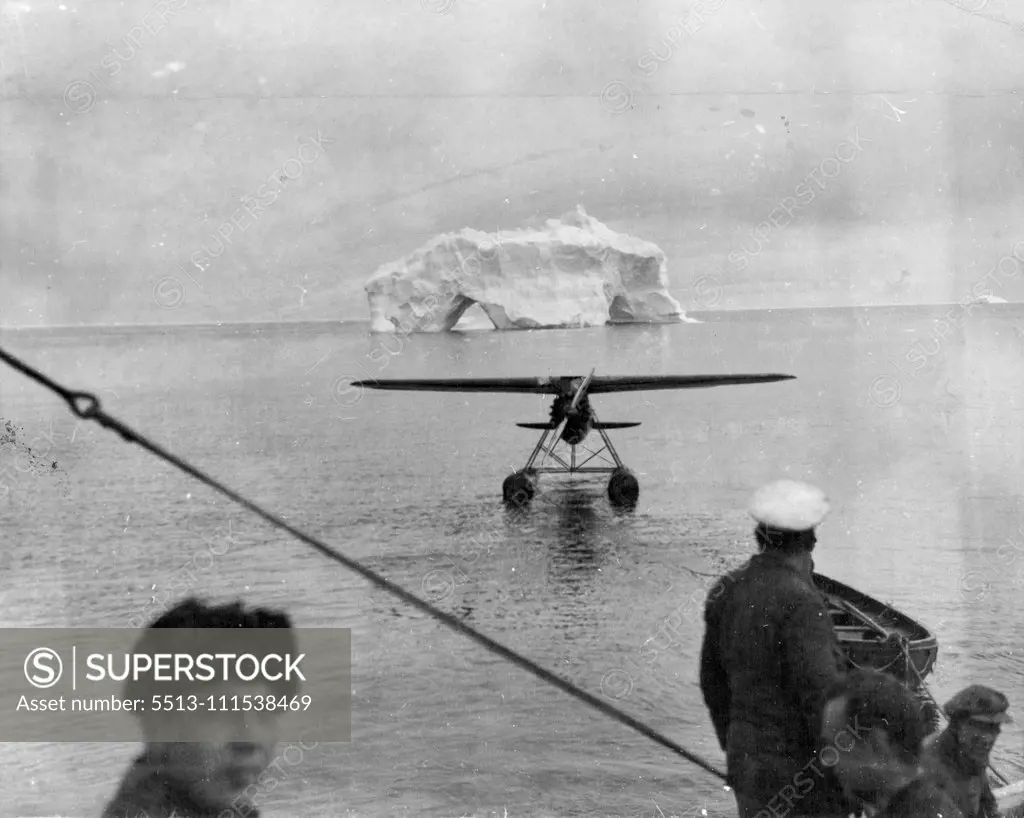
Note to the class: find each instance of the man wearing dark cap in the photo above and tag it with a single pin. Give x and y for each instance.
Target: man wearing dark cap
(769, 656)
(960, 754)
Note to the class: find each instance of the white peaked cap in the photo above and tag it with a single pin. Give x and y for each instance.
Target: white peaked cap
(788, 505)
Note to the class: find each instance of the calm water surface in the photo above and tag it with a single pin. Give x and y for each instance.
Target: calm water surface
(923, 465)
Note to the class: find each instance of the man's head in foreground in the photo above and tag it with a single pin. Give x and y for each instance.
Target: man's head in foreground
(877, 726)
(211, 740)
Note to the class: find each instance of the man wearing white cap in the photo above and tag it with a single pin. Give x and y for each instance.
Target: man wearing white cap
(768, 660)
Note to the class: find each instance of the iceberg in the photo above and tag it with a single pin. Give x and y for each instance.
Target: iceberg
(573, 272)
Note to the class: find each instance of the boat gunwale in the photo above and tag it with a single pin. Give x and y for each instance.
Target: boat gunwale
(920, 637)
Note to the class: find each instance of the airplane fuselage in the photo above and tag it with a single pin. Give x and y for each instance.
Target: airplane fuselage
(578, 421)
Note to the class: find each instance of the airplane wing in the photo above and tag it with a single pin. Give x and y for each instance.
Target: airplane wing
(557, 385)
(536, 385)
(641, 383)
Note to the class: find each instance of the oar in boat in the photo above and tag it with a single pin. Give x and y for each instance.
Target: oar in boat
(852, 609)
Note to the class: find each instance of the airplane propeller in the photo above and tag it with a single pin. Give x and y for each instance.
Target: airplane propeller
(582, 390)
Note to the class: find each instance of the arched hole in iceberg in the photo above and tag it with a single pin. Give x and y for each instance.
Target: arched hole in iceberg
(475, 318)
(620, 310)
(458, 307)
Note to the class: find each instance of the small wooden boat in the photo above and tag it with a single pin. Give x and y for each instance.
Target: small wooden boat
(874, 635)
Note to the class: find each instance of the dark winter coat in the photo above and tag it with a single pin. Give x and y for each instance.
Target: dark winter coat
(924, 798)
(769, 656)
(965, 781)
(146, 793)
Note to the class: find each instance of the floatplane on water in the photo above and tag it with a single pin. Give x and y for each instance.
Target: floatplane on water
(572, 420)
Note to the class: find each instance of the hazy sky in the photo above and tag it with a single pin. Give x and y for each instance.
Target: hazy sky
(133, 132)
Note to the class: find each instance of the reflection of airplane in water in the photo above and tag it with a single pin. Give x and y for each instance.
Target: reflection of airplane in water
(577, 520)
(572, 420)
(571, 539)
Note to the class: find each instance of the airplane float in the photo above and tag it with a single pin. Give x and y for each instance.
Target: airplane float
(572, 420)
